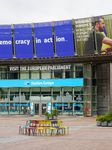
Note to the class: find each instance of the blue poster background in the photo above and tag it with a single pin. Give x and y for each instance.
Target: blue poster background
(23, 41)
(42, 82)
(44, 40)
(64, 38)
(6, 42)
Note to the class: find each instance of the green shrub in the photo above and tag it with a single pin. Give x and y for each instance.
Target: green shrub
(46, 114)
(99, 118)
(107, 117)
(55, 112)
(51, 115)
(110, 114)
(109, 120)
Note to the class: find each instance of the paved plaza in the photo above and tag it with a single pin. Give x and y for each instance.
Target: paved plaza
(83, 135)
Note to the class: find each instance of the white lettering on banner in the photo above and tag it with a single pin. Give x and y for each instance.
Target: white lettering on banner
(27, 42)
(33, 67)
(43, 67)
(40, 83)
(54, 67)
(82, 21)
(36, 83)
(49, 40)
(38, 40)
(14, 68)
(5, 42)
(47, 83)
(59, 67)
(46, 40)
(60, 39)
(22, 67)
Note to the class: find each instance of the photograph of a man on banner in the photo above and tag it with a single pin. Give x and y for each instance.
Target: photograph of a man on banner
(98, 39)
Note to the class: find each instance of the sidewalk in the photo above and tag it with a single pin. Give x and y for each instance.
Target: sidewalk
(83, 135)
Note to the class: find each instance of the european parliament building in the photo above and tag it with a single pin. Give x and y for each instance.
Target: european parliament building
(47, 65)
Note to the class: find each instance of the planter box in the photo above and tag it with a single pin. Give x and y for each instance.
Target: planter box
(54, 117)
(110, 124)
(46, 118)
(50, 118)
(104, 124)
(99, 123)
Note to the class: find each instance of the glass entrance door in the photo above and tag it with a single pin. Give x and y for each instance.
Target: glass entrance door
(44, 108)
(40, 108)
(36, 109)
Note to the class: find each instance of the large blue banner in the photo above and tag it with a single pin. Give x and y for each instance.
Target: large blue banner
(44, 40)
(6, 42)
(64, 38)
(42, 83)
(23, 41)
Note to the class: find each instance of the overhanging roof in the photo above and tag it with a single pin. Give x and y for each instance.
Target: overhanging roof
(58, 60)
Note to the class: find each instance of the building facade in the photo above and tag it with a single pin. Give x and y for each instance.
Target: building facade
(44, 66)
(66, 87)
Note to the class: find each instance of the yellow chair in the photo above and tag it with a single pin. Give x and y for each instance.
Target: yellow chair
(41, 127)
(66, 129)
(48, 126)
(52, 129)
(42, 123)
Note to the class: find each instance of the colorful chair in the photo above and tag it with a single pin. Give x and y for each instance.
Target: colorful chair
(52, 129)
(24, 128)
(48, 126)
(66, 129)
(41, 128)
(33, 128)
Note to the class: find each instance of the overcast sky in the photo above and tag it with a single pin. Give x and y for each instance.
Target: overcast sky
(33, 11)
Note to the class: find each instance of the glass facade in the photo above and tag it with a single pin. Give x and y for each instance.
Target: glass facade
(68, 100)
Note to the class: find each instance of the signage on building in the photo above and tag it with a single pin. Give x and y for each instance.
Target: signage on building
(44, 40)
(42, 83)
(89, 35)
(58, 105)
(34, 68)
(4, 104)
(23, 41)
(6, 51)
(64, 38)
(60, 38)
(79, 105)
(15, 104)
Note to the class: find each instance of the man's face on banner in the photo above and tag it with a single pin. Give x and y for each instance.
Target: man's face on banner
(101, 25)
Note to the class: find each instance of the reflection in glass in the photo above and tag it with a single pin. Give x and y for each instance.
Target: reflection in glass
(78, 108)
(24, 108)
(67, 97)
(78, 90)
(3, 94)
(67, 108)
(4, 108)
(44, 108)
(14, 109)
(25, 94)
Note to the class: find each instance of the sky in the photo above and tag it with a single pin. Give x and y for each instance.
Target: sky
(35, 11)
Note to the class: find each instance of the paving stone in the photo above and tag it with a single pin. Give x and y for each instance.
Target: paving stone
(83, 134)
